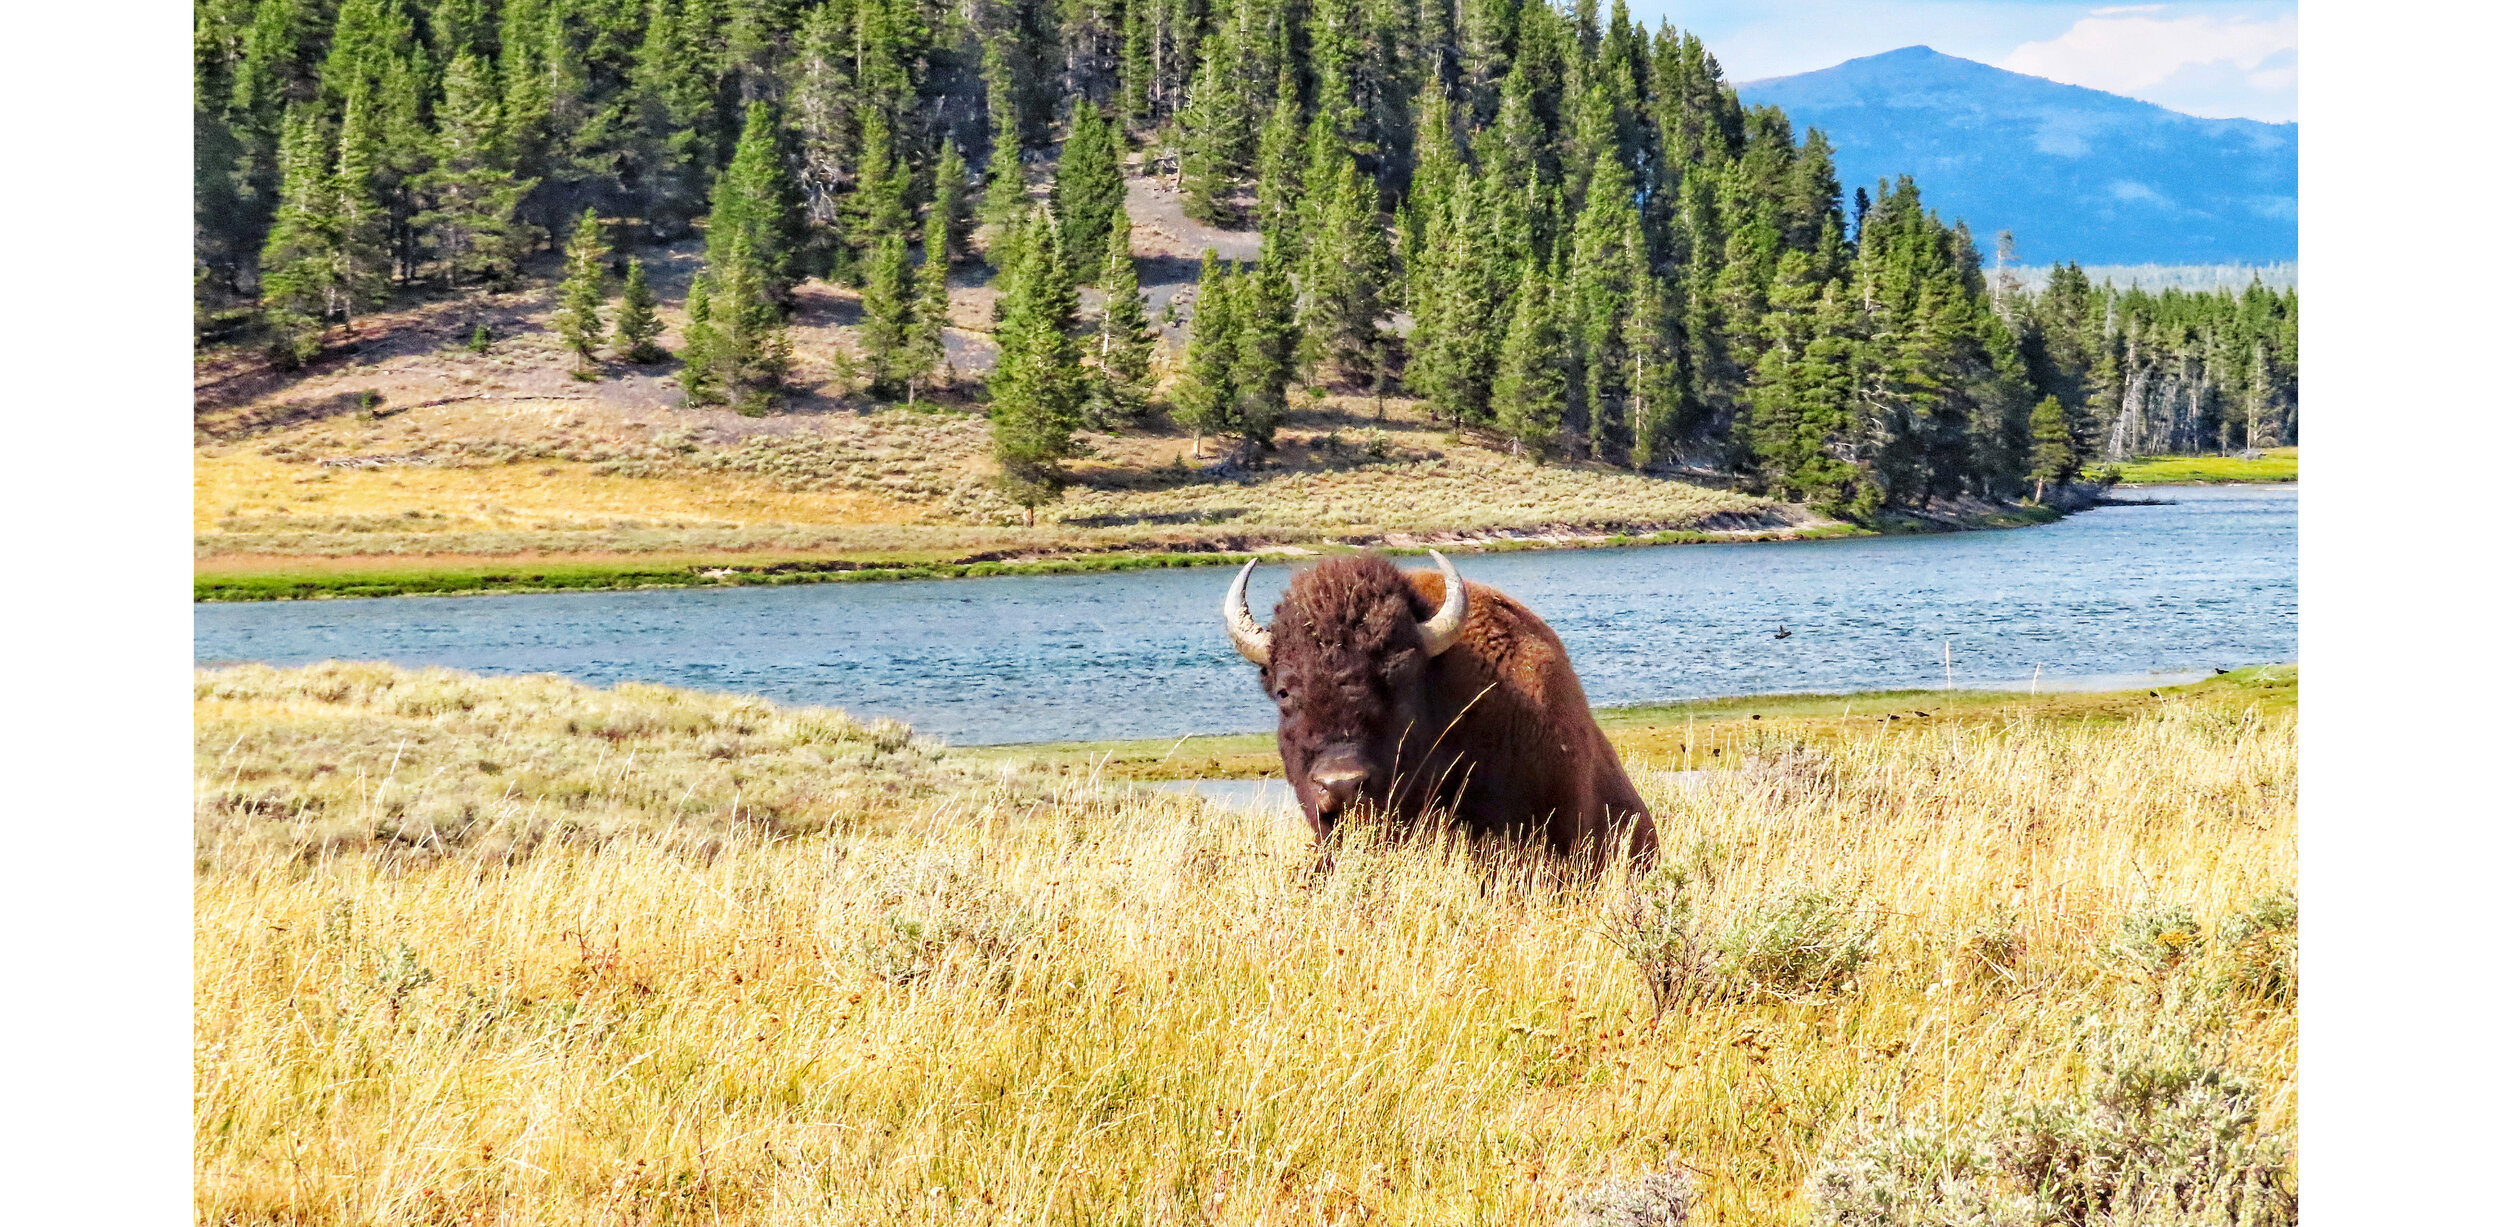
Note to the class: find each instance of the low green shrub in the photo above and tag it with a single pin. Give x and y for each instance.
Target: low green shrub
(2160, 1134)
(1807, 942)
(1651, 1199)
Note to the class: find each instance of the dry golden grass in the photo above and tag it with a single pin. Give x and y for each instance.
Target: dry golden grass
(986, 997)
(242, 491)
(535, 475)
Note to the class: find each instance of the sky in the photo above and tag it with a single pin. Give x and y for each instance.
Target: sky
(2222, 59)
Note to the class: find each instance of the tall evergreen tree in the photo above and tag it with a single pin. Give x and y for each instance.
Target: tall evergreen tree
(638, 318)
(1532, 387)
(364, 222)
(930, 308)
(1124, 347)
(885, 302)
(1458, 324)
(1348, 264)
(2053, 460)
(883, 203)
(584, 291)
(1203, 399)
(475, 190)
(950, 202)
(737, 350)
(1282, 154)
(1088, 190)
(1215, 129)
(1609, 267)
(300, 286)
(1266, 339)
(1036, 389)
(1005, 191)
(755, 211)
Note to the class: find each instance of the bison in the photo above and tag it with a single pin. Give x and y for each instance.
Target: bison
(1414, 693)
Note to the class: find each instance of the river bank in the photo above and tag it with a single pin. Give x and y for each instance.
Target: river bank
(2269, 465)
(1695, 735)
(262, 578)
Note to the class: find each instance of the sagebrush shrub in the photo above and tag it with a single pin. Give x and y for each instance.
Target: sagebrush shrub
(1993, 950)
(1651, 1199)
(1656, 930)
(2159, 1135)
(2157, 939)
(1806, 942)
(2262, 942)
(944, 912)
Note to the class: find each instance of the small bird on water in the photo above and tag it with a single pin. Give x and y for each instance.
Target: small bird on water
(1782, 633)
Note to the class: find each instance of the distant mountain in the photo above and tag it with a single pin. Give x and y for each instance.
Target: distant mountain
(2075, 173)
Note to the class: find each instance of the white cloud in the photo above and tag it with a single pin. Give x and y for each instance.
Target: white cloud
(2204, 64)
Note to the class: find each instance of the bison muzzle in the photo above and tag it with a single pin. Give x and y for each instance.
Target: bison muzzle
(1422, 697)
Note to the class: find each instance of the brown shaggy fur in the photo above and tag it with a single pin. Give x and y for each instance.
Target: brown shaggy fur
(1495, 732)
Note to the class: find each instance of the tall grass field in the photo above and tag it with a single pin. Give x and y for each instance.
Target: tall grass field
(521, 951)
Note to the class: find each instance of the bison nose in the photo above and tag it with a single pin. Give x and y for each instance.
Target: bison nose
(1338, 783)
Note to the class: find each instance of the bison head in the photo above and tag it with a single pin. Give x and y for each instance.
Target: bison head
(1345, 660)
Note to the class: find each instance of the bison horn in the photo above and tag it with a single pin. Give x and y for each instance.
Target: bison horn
(1249, 638)
(1441, 633)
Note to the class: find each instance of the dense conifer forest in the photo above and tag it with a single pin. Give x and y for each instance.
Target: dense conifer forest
(1548, 223)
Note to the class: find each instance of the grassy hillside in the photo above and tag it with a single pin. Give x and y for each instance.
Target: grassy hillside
(517, 950)
(405, 461)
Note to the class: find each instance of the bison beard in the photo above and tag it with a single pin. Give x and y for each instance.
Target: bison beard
(1490, 731)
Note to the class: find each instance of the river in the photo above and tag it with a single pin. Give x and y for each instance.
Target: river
(2110, 597)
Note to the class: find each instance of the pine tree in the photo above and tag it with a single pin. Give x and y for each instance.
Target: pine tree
(1533, 386)
(885, 315)
(1347, 266)
(1137, 48)
(1203, 399)
(755, 209)
(1125, 349)
(1037, 387)
(299, 265)
(2053, 460)
(1005, 192)
(950, 202)
(930, 308)
(1438, 165)
(673, 99)
(1266, 338)
(882, 206)
(1609, 265)
(1653, 395)
(638, 318)
(364, 256)
(1214, 129)
(1088, 189)
(476, 193)
(1280, 160)
(584, 291)
(737, 350)
(1457, 334)
(700, 351)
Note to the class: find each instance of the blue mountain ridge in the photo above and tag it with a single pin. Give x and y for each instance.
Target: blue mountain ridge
(2075, 173)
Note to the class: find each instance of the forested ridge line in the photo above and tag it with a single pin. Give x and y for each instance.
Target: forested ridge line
(1552, 225)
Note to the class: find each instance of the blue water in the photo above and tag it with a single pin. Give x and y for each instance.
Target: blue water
(2111, 596)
